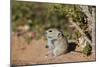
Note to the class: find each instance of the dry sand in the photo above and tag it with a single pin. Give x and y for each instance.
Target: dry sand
(35, 53)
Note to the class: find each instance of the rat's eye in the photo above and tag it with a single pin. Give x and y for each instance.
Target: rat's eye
(50, 30)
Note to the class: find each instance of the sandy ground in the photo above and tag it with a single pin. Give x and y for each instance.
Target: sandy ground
(35, 53)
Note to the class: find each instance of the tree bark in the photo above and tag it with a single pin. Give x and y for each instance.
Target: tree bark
(91, 21)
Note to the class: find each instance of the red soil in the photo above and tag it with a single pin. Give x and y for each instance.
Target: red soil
(35, 53)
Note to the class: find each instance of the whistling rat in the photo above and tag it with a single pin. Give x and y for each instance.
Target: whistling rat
(57, 43)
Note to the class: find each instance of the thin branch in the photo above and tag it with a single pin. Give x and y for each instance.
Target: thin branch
(80, 30)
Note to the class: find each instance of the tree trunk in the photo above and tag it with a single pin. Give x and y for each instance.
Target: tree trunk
(91, 21)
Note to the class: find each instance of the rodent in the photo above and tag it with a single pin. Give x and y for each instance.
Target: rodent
(57, 42)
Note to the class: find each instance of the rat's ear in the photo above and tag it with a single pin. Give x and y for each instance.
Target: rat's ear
(59, 34)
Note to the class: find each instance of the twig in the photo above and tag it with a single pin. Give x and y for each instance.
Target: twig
(80, 30)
